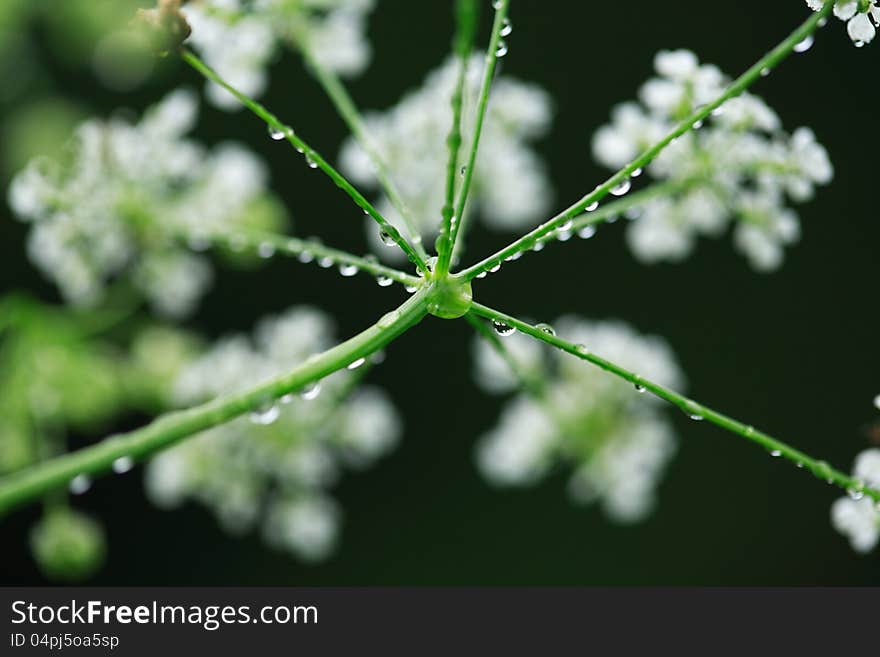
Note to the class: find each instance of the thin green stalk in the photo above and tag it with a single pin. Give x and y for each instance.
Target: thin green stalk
(693, 409)
(466, 26)
(266, 244)
(482, 106)
(167, 430)
(766, 63)
(312, 156)
(347, 109)
(532, 384)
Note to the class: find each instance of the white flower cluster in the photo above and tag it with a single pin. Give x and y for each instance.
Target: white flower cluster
(740, 165)
(618, 441)
(239, 38)
(862, 18)
(858, 516)
(510, 186)
(275, 466)
(114, 202)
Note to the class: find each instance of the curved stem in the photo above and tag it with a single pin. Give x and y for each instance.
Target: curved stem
(529, 382)
(743, 82)
(305, 250)
(347, 109)
(695, 410)
(482, 106)
(167, 430)
(311, 155)
(466, 21)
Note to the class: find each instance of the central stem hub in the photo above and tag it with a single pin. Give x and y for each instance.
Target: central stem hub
(449, 297)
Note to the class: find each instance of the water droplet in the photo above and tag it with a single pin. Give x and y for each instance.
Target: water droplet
(637, 172)
(348, 270)
(286, 399)
(482, 274)
(265, 414)
(612, 219)
(856, 492)
(582, 349)
(824, 471)
(775, 453)
(388, 319)
(822, 22)
(565, 226)
(80, 484)
(805, 45)
(305, 256)
(633, 213)
(564, 235)
(463, 171)
(877, 402)
(693, 411)
(384, 281)
(495, 268)
(697, 125)
(311, 162)
(506, 27)
(718, 111)
(502, 329)
(266, 249)
(749, 431)
(587, 232)
(592, 207)
(123, 464)
(546, 328)
(356, 364)
(326, 262)
(539, 246)
(277, 134)
(311, 391)
(621, 188)
(765, 72)
(501, 50)
(411, 288)
(859, 44)
(386, 238)
(515, 256)
(639, 387)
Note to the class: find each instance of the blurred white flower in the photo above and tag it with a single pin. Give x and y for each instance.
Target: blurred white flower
(121, 196)
(617, 441)
(240, 38)
(858, 517)
(862, 18)
(511, 188)
(739, 166)
(275, 466)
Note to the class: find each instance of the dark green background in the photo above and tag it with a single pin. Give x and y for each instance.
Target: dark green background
(794, 353)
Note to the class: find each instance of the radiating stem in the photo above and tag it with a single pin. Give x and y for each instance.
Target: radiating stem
(339, 96)
(482, 106)
(743, 82)
(306, 250)
(311, 155)
(820, 469)
(466, 22)
(167, 430)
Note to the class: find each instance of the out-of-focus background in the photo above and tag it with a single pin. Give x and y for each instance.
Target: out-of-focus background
(795, 352)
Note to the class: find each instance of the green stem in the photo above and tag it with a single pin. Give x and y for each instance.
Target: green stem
(529, 382)
(347, 109)
(258, 242)
(466, 21)
(167, 430)
(743, 82)
(311, 155)
(482, 106)
(695, 410)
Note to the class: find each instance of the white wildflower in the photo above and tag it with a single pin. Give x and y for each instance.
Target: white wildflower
(123, 194)
(240, 38)
(862, 18)
(617, 441)
(739, 166)
(858, 516)
(510, 187)
(274, 467)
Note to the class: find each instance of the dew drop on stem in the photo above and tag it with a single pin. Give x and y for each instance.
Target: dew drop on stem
(265, 414)
(384, 281)
(502, 329)
(386, 238)
(80, 484)
(506, 27)
(501, 50)
(311, 391)
(622, 188)
(805, 44)
(356, 364)
(348, 270)
(546, 328)
(123, 464)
